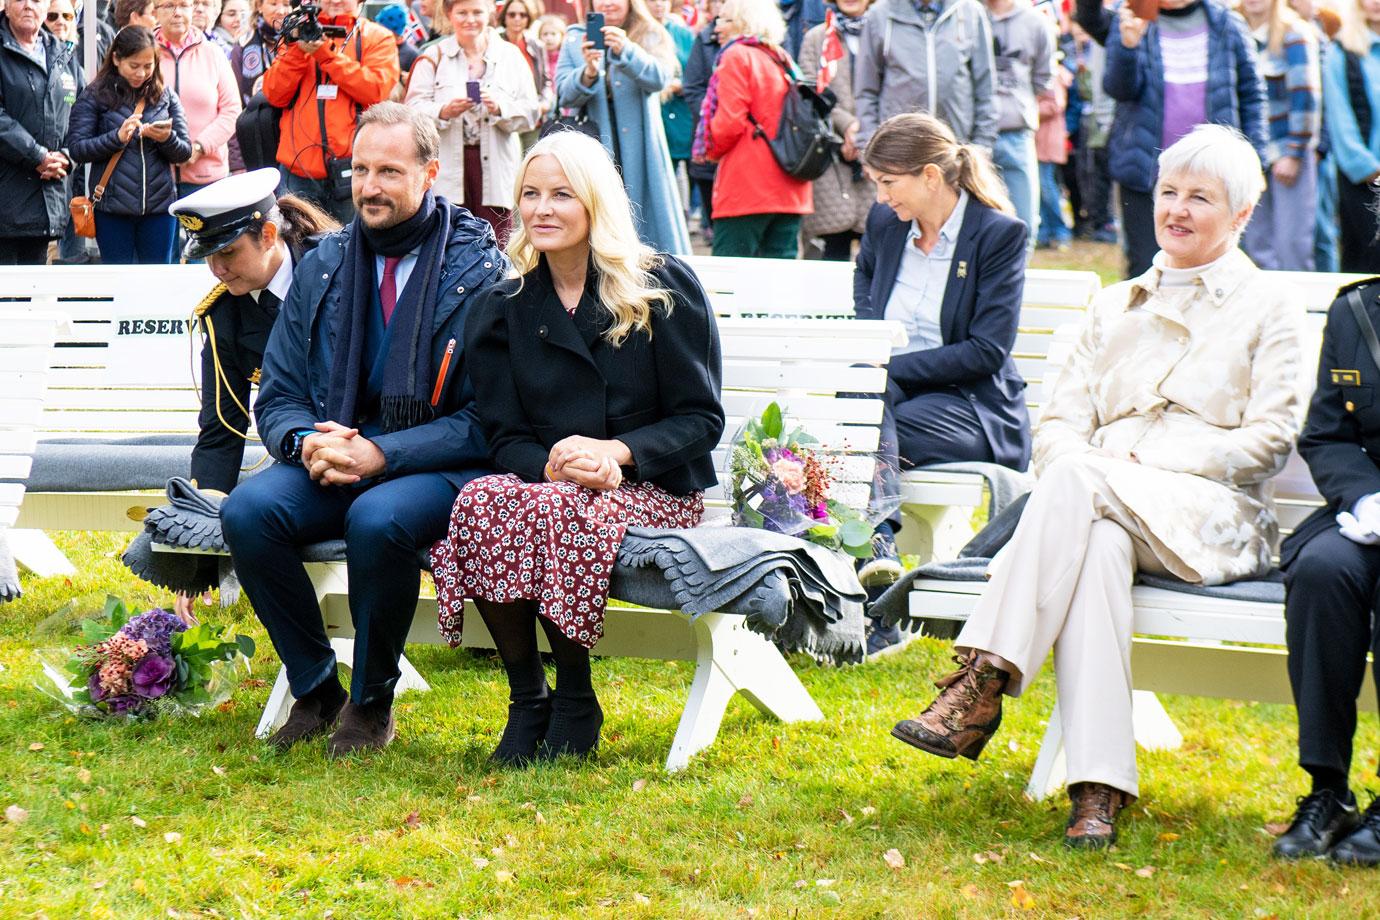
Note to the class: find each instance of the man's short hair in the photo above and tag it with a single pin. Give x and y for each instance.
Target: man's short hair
(424, 134)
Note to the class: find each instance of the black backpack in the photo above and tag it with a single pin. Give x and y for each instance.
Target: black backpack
(257, 130)
(804, 146)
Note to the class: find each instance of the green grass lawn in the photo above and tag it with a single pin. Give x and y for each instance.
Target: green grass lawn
(194, 818)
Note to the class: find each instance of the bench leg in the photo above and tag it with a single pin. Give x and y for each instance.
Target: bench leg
(35, 551)
(935, 532)
(1154, 731)
(733, 659)
(280, 699)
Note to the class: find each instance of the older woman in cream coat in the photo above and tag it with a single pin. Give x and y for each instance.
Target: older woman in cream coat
(1180, 402)
(480, 144)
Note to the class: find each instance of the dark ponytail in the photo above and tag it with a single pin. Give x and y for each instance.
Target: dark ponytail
(905, 144)
(297, 220)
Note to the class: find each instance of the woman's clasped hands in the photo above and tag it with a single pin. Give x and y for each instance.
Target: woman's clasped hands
(588, 462)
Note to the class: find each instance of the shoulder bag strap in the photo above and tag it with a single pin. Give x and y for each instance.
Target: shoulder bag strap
(1358, 310)
(99, 192)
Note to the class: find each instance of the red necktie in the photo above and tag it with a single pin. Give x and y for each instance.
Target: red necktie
(388, 290)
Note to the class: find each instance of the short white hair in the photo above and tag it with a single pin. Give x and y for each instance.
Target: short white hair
(760, 19)
(1221, 153)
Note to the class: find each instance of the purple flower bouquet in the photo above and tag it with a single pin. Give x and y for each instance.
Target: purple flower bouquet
(147, 664)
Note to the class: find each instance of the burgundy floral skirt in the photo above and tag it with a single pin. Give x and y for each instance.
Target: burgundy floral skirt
(550, 542)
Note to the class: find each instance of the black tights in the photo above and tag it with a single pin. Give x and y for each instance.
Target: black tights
(514, 637)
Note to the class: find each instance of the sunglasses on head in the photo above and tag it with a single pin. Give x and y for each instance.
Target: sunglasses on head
(55, 16)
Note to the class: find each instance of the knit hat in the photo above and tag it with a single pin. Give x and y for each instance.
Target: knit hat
(393, 18)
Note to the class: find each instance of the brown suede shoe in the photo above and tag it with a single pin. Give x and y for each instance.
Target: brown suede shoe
(966, 714)
(307, 719)
(1092, 820)
(362, 728)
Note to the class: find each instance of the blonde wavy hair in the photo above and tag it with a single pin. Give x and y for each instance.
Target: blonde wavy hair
(626, 288)
(1355, 34)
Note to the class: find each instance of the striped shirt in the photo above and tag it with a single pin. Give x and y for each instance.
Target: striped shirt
(1293, 88)
(1184, 51)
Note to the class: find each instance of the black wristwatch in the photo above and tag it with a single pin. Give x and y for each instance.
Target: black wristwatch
(292, 444)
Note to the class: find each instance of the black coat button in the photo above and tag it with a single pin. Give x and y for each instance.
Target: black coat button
(541, 332)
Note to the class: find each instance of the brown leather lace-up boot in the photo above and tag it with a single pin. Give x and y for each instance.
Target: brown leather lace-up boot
(966, 714)
(1092, 819)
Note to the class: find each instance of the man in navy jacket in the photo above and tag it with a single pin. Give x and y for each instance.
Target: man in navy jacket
(366, 406)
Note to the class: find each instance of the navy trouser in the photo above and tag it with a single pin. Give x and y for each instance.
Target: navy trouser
(384, 525)
(932, 426)
(1330, 625)
(146, 240)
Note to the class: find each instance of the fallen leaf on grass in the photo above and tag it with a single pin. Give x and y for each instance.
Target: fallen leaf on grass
(801, 883)
(1123, 867)
(991, 856)
(504, 877)
(16, 815)
(845, 817)
(219, 771)
(745, 801)
(1168, 837)
(641, 898)
(36, 746)
(824, 883)
(172, 837)
(1145, 871)
(1020, 898)
(539, 818)
(480, 862)
(830, 897)
(969, 891)
(894, 859)
(868, 810)
(98, 884)
(511, 841)
(84, 776)
(407, 881)
(639, 785)
(1274, 828)
(253, 683)
(412, 820)
(1036, 857)
(138, 821)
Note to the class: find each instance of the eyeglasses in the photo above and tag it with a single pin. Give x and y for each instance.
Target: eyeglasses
(55, 16)
(516, 13)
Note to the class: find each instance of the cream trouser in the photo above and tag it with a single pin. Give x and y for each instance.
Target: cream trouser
(1064, 582)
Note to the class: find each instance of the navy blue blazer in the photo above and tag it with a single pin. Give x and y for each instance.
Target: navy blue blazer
(977, 319)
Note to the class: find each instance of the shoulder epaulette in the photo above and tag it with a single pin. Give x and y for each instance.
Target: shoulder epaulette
(209, 301)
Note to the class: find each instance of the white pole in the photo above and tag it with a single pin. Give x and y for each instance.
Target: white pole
(91, 35)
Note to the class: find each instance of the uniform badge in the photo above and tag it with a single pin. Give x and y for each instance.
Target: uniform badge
(192, 222)
(253, 61)
(1346, 378)
(963, 269)
(254, 377)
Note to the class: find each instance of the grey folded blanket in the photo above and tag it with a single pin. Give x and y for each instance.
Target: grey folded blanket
(802, 596)
(9, 572)
(190, 520)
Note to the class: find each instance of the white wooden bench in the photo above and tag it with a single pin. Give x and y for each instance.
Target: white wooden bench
(121, 380)
(1184, 643)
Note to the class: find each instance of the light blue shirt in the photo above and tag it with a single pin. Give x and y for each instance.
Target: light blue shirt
(1356, 156)
(401, 274)
(918, 294)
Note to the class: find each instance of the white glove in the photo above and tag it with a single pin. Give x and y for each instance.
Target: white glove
(1362, 523)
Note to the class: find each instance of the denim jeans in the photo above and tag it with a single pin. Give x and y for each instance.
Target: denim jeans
(1052, 226)
(146, 240)
(1326, 235)
(1014, 157)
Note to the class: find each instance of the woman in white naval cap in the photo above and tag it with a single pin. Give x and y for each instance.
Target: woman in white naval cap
(250, 240)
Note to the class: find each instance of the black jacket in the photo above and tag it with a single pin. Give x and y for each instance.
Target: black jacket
(541, 375)
(1341, 437)
(34, 110)
(978, 318)
(143, 181)
(704, 56)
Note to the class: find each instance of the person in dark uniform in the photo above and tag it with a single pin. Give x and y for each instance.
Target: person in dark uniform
(1332, 570)
(251, 242)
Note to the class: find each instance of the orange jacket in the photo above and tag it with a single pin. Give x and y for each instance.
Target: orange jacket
(365, 68)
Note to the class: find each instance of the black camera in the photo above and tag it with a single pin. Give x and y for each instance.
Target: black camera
(304, 25)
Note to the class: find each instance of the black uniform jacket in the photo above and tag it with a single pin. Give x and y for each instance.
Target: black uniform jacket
(1341, 438)
(241, 326)
(541, 375)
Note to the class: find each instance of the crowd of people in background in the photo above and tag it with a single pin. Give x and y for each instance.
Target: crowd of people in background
(1071, 100)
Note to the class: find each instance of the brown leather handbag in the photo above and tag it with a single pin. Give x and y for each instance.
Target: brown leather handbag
(82, 208)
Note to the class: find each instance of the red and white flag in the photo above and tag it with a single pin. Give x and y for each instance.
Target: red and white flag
(830, 54)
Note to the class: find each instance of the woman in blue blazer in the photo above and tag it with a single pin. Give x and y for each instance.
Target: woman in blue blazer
(943, 255)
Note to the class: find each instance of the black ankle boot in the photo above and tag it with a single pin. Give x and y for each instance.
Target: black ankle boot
(522, 736)
(574, 729)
